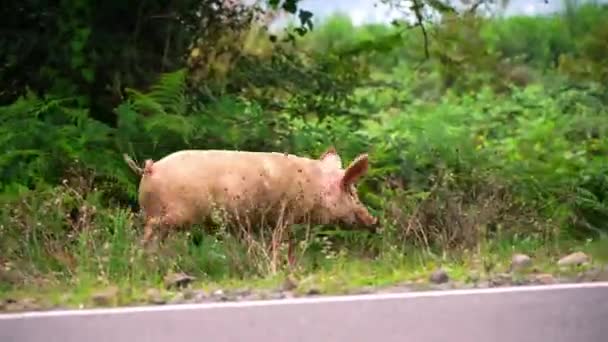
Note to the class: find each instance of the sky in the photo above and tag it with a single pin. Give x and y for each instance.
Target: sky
(365, 11)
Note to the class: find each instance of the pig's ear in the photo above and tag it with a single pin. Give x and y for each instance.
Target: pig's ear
(331, 157)
(355, 170)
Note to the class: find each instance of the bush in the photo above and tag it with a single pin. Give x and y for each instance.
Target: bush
(456, 157)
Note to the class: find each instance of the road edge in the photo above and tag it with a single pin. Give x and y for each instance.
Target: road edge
(299, 300)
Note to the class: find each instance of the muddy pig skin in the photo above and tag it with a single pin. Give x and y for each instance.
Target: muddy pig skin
(185, 187)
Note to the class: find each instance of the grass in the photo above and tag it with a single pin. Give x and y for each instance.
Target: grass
(51, 258)
(462, 177)
(339, 272)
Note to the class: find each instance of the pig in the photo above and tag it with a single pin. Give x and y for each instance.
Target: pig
(184, 187)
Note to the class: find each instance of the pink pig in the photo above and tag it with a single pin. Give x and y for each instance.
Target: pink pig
(185, 186)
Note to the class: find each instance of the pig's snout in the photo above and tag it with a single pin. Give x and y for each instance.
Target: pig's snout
(364, 217)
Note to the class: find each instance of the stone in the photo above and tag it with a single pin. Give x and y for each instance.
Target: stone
(153, 296)
(520, 262)
(25, 304)
(290, 283)
(364, 290)
(473, 278)
(188, 294)
(593, 274)
(200, 296)
(441, 286)
(277, 295)
(106, 297)
(501, 279)
(545, 279)
(220, 295)
(573, 259)
(177, 280)
(313, 291)
(439, 276)
(30, 304)
(242, 294)
(179, 298)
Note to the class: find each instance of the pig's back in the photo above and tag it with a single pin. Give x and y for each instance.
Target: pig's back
(236, 178)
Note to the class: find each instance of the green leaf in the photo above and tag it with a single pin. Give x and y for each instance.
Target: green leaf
(88, 74)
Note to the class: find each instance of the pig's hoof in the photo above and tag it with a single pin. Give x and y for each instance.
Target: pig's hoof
(374, 228)
(145, 244)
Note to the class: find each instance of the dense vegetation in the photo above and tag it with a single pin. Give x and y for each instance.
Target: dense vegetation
(499, 134)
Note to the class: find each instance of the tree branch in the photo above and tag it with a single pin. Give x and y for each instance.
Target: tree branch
(417, 8)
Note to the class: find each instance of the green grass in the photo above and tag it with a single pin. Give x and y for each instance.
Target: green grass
(61, 261)
(337, 273)
(465, 169)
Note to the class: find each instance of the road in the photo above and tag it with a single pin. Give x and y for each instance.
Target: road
(554, 313)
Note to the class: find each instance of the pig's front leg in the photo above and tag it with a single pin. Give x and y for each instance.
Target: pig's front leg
(156, 227)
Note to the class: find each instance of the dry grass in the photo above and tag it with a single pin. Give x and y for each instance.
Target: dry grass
(65, 235)
(450, 218)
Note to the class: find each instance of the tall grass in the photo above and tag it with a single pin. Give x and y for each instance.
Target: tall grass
(459, 160)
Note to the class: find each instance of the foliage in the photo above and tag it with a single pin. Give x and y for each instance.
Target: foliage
(500, 130)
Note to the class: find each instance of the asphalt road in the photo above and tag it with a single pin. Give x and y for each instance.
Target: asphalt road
(555, 313)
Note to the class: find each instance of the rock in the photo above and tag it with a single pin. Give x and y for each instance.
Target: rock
(243, 294)
(364, 290)
(264, 294)
(501, 279)
(178, 299)
(106, 297)
(593, 274)
(519, 281)
(25, 304)
(220, 295)
(308, 287)
(574, 259)
(153, 296)
(252, 295)
(290, 283)
(439, 276)
(545, 279)
(520, 262)
(473, 278)
(313, 291)
(10, 277)
(188, 294)
(441, 286)
(177, 280)
(276, 295)
(13, 307)
(30, 304)
(200, 296)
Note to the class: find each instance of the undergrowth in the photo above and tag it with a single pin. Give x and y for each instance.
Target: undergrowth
(462, 163)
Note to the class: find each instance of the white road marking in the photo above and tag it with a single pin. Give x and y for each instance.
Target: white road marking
(303, 300)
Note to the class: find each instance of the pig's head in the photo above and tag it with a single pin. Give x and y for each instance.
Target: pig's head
(340, 199)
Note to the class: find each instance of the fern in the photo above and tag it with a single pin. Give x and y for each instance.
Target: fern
(170, 92)
(43, 136)
(164, 98)
(144, 103)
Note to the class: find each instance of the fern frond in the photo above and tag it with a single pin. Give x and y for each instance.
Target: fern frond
(176, 123)
(169, 92)
(144, 104)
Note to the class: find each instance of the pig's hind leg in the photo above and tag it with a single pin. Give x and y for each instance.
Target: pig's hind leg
(163, 224)
(152, 224)
(156, 227)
